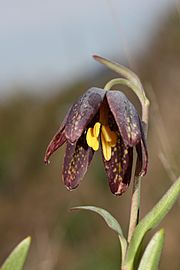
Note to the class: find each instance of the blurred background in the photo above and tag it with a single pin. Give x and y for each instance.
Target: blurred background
(46, 63)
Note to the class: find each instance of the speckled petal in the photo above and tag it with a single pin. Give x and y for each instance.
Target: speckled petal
(58, 139)
(119, 167)
(82, 112)
(125, 116)
(142, 159)
(76, 161)
(142, 154)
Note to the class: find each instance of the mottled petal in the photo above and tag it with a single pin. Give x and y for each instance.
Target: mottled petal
(57, 141)
(142, 155)
(82, 112)
(76, 161)
(119, 167)
(142, 159)
(128, 169)
(126, 117)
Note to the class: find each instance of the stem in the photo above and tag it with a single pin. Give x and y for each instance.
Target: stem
(135, 206)
(113, 82)
(136, 88)
(133, 82)
(135, 199)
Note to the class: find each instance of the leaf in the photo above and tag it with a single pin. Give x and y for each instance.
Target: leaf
(151, 220)
(151, 257)
(133, 81)
(122, 70)
(110, 221)
(17, 258)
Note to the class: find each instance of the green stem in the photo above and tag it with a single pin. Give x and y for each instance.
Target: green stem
(140, 94)
(135, 207)
(132, 81)
(113, 82)
(135, 199)
(150, 221)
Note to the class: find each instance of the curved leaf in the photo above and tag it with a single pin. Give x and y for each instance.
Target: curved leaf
(151, 220)
(17, 258)
(134, 81)
(122, 70)
(110, 221)
(151, 256)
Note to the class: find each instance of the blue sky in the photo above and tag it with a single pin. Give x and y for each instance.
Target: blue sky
(47, 41)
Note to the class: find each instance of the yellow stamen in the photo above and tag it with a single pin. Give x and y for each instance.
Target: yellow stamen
(95, 144)
(106, 148)
(92, 141)
(109, 135)
(96, 129)
(89, 136)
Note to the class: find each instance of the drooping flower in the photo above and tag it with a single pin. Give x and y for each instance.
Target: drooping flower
(107, 119)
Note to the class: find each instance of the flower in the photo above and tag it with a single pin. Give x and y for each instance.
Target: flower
(107, 119)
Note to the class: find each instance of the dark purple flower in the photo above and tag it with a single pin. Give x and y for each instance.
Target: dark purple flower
(105, 118)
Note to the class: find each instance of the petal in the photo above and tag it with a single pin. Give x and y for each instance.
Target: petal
(82, 112)
(142, 159)
(125, 116)
(57, 141)
(119, 167)
(76, 161)
(142, 155)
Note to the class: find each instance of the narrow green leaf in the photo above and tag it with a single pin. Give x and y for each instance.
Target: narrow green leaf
(17, 258)
(151, 257)
(110, 221)
(150, 221)
(134, 81)
(122, 70)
